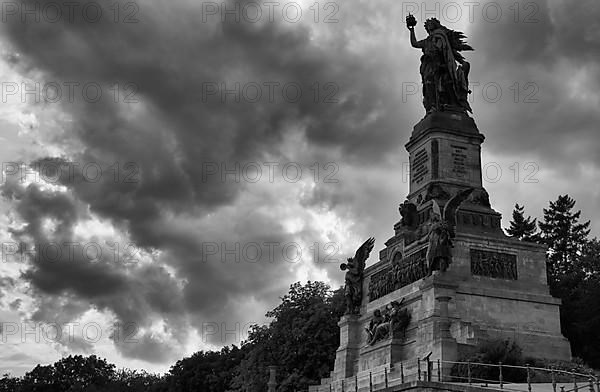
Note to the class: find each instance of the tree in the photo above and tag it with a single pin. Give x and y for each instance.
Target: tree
(77, 373)
(73, 373)
(127, 380)
(40, 379)
(210, 371)
(580, 319)
(589, 262)
(301, 340)
(565, 237)
(9, 383)
(522, 228)
(580, 310)
(251, 374)
(573, 264)
(306, 333)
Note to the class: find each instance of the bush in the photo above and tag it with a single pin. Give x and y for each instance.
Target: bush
(509, 353)
(492, 352)
(575, 366)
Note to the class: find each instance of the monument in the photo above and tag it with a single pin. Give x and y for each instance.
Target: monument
(449, 278)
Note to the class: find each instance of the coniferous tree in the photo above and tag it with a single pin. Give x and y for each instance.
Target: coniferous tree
(522, 228)
(565, 236)
(573, 264)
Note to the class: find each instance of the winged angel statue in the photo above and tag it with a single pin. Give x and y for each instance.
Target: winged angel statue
(355, 268)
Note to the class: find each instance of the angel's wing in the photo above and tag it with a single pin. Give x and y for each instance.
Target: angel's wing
(452, 205)
(363, 252)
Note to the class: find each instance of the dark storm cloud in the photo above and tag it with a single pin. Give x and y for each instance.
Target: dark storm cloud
(68, 283)
(513, 40)
(171, 56)
(557, 52)
(148, 348)
(546, 63)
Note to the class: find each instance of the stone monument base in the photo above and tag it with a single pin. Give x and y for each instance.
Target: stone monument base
(455, 311)
(491, 286)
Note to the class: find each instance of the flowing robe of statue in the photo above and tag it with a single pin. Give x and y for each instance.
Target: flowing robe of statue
(434, 69)
(443, 82)
(441, 232)
(439, 251)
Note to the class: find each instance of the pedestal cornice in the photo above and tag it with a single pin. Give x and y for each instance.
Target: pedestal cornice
(446, 122)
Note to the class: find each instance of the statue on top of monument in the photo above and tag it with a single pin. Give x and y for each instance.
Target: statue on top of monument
(445, 84)
(355, 268)
(441, 232)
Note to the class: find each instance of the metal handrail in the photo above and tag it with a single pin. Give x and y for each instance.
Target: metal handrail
(341, 385)
(345, 386)
(523, 367)
(589, 378)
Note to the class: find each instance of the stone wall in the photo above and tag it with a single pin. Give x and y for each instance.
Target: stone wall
(488, 305)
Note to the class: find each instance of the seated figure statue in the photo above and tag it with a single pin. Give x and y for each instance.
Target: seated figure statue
(374, 323)
(396, 320)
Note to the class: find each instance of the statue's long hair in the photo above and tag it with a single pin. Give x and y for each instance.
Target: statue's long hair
(456, 38)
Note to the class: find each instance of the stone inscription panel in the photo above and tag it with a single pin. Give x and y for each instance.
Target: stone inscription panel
(459, 161)
(420, 166)
(399, 274)
(493, 264)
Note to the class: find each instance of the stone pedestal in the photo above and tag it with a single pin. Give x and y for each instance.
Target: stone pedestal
(346, 356)
(443, 338)
(444, 149)
(494, 288)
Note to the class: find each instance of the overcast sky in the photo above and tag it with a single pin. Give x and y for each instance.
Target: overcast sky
(207, 164)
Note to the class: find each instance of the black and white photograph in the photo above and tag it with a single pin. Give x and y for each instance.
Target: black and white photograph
(299, 196)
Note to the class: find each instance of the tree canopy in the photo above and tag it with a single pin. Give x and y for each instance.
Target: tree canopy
(565, 236)
(522, 228)
(573, 267)
(301, 340)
